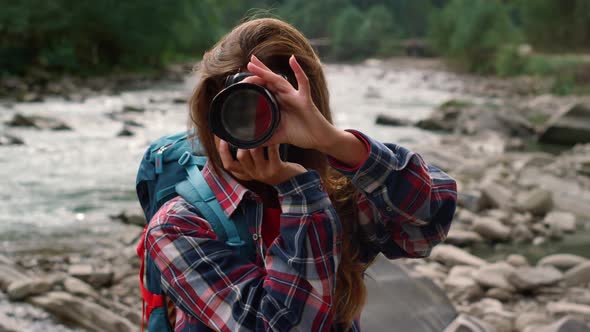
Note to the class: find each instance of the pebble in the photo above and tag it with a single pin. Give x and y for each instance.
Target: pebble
(530, 278)
(562, 261)
(537, 202)
(20, 290)
(451, 256)
(563, 221)
(566, 308)
(495, 276)
(462, 237)
(491, 229)
(517, 260)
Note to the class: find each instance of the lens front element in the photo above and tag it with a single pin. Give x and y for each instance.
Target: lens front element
(244, 114)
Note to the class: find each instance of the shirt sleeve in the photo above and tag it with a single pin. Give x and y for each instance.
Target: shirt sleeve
(406, 206)
(228, 293)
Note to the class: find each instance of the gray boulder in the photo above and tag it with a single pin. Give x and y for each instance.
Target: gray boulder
(6, 139)
(466, 118)
(20, 290)
(82, 312)
(95, 277)
(126, 132)
(568, 127)
(130, 217)
(78, 287)
(538, 201)
(38, 122)
(400, 300)
(387, 120)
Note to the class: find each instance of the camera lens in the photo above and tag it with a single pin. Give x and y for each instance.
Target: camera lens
(244, 114)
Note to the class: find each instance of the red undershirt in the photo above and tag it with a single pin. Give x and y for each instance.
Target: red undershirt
(270, 225)
(271, 216)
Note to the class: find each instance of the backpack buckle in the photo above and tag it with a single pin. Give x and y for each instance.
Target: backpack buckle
(186, 156)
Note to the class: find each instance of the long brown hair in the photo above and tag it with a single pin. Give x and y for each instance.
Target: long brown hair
(274, 41)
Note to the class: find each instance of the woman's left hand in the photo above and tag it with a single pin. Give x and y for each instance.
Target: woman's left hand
(301, 123)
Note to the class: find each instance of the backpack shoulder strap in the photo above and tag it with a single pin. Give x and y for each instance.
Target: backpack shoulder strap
(197, 192)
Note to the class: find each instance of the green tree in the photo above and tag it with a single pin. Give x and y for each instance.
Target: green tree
(471, 32)
(378, 30)
(348, 41)
(557, 24)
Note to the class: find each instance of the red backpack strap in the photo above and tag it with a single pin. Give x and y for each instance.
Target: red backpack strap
(150, 301)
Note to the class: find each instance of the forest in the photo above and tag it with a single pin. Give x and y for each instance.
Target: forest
(484, 36)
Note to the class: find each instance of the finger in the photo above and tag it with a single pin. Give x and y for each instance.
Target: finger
(258, 157)
(259, 63)
(302, 80)
(254, 80)
(274, 157)
(226, 158)
(276, 81)
(246, 161)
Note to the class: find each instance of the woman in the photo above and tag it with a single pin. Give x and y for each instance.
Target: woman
(318, 219)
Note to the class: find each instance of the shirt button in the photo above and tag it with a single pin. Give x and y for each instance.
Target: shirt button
(255, 237)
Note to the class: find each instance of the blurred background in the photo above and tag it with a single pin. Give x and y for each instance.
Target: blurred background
(494, 92)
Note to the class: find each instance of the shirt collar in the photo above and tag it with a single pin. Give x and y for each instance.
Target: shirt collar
(228, 191)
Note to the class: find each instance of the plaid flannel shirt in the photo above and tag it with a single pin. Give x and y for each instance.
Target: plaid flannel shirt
(406, 208)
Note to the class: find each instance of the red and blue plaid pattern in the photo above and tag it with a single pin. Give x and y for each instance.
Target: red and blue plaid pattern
(406, 208)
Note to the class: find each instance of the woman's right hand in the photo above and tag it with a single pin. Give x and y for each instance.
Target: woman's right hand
(251, 165)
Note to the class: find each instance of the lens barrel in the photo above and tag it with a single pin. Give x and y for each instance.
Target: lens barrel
(244, 114)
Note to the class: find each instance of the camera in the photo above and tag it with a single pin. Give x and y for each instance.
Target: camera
(245, 114)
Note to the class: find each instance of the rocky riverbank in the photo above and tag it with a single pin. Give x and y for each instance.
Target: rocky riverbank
(514, 198)
(38, 84)
(516, 258)
(95, 290)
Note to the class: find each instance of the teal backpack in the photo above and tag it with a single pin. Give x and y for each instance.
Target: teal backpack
(171, 166)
